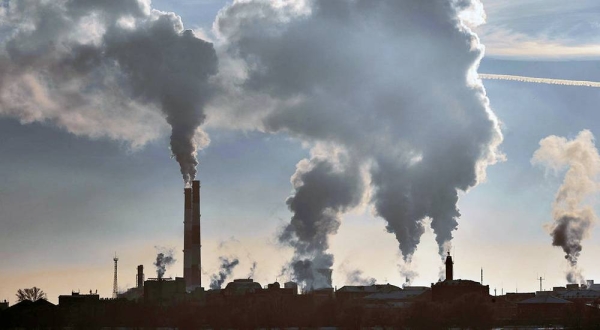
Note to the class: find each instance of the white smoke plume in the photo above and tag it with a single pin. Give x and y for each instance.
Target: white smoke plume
(382, 83)
(114, 69)
(407, 273)
(356, 277)
(540, 80)
(573, 217)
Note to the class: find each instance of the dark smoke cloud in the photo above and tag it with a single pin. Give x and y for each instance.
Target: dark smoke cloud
(106, 69)
(303, 271)
(323, 191)
(388, 84)
(572, 219)
(252, 270)
(227, 266)
(163, 260)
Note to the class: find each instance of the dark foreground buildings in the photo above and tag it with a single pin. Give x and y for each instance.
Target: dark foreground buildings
(244, 303)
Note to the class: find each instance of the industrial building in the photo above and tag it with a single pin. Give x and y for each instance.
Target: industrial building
(544, 306)
(450, 289)
(349, 293)
(167, 302)
(165, 290)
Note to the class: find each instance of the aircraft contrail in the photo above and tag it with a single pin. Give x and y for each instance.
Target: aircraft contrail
(540, 80)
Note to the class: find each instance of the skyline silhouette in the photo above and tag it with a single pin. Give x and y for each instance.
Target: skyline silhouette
(338, 143)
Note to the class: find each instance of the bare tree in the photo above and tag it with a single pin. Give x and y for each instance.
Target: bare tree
(32, 294)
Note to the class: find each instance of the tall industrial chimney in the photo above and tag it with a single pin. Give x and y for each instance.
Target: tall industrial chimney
(449, 268)
(191, 239)
(187, 237)
(140, 276)
(115, 287)
(196, 234)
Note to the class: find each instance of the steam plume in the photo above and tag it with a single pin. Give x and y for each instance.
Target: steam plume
(227, 266)
(540, 80)
(572, 218)
(356, 277)
(110, 69)
(163, 260)
(385, 85)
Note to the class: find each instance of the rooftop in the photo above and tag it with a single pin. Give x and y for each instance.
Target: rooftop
(580, 294)
(458, 282)
(369, 288)
(544, 299)
(395, 295)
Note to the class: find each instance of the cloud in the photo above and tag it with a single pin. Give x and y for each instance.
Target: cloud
(552, 30)
(508, 44)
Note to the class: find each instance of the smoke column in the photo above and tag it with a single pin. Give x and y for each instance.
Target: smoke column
(323, 190)
(107, 69)
(381, 91)
(227, 266)
(573, 219)
(163, 260)
(252, 270)
(540, 80)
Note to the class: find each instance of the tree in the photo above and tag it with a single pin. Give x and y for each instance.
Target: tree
(32, 294)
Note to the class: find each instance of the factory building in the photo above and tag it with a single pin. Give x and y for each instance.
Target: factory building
(136, 293)
(544, 307)
(450, 289)
(241, 287)
(77, 299)
(352, 292)
(164, 290)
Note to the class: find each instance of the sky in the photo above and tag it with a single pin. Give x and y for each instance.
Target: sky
(72, 194)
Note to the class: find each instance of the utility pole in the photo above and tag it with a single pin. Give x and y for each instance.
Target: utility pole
(115, 259)
(541, 279)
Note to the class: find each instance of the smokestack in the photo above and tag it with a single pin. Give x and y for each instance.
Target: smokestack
(140, 276)
(187, 237)
(449, 268)
(195, 235)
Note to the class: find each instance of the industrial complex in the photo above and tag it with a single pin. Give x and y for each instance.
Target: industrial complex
(183, 302)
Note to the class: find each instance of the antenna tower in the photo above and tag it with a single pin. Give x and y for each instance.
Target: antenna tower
(541, 279)
(115, 259)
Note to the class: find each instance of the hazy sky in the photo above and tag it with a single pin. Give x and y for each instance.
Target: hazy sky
(68, 202)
